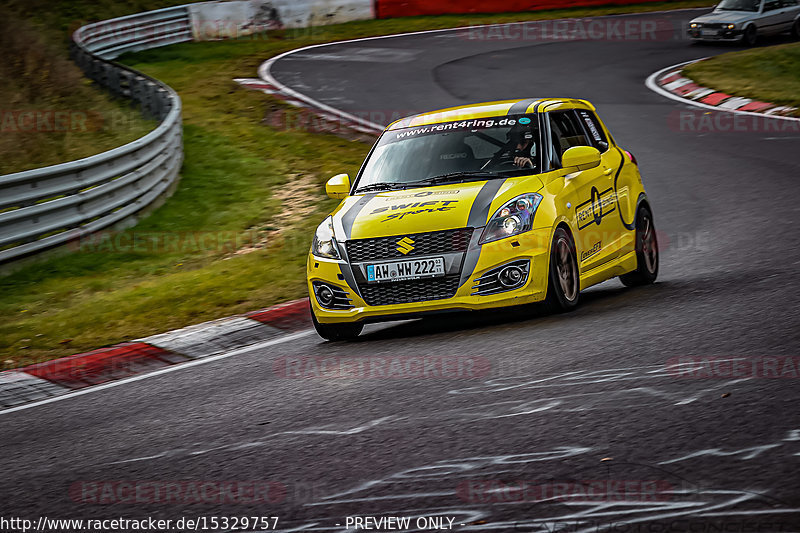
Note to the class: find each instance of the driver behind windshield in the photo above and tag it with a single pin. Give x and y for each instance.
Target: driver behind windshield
(413, 156)
(520, 150)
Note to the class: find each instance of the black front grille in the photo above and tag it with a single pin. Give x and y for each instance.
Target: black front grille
(439, 242)
(403, 292)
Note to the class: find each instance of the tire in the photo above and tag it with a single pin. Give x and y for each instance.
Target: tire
(750, 37)
(563, 284)
(646, 251)
(337, 332)
(796, 29)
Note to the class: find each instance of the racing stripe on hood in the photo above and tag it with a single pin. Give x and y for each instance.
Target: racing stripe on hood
(521, 107)
(483, 201)
(347, 274)
(477, 219)
(349, 218)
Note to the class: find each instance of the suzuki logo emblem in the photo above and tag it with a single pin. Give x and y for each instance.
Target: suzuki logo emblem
(405, 245)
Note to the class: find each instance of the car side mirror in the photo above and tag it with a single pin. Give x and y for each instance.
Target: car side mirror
(338, 187)
(580, 158)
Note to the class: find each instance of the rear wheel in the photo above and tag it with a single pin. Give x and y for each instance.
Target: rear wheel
(646, 251)
(337, 332)
(563, 287)
(750, 35)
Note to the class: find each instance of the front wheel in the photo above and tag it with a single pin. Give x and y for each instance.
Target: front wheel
(796, 29)
(646, 251)
(750, 36)
(563, 286)
(337, 332)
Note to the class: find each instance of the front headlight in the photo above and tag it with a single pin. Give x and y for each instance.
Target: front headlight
(694, 25)
(324, 244)
(730, 26)
(513, 218)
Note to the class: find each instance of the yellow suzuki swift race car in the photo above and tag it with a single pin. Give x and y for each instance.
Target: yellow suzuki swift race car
(478, 207)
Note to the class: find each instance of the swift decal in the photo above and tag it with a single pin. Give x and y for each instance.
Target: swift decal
(431, 206)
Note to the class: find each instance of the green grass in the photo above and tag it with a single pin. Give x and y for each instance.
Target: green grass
(240, 177)
(37, 76)
(769, 74)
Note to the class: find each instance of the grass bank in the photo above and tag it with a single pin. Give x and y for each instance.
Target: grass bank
(770, 74)
(234, 236)
(49, 113)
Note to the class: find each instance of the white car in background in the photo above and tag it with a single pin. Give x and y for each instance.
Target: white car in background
(747, 20)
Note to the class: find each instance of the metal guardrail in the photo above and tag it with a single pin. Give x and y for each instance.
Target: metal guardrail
(54, 205)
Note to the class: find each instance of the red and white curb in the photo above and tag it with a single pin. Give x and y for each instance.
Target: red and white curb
(671, 83)
(18, 387)
(46, 380)
(210, 338)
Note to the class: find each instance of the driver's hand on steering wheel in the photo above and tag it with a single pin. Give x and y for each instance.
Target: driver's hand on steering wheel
(523, 162)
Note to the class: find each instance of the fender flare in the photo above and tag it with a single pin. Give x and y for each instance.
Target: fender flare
(639, 201)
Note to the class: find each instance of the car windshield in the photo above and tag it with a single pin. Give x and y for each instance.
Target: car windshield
(453, 151)
(739, 5)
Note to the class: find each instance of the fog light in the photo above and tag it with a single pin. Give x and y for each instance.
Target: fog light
(325, 295)
(510, 276)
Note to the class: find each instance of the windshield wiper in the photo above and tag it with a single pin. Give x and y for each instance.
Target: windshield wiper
(381, 187)
(455, 176)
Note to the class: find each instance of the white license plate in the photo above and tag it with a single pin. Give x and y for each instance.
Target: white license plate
(405, 270)
(709, 33)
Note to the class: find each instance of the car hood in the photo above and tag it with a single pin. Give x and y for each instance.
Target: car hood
(427, 209)
(725, 17)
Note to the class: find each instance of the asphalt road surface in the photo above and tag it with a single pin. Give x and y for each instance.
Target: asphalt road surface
(557, 403)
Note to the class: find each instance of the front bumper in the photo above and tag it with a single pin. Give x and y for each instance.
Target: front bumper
(532, 246)
(718, 35)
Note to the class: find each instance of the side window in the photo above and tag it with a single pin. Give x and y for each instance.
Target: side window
(790, 3)
(594, 129)
(566, 132)
(772, 5)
